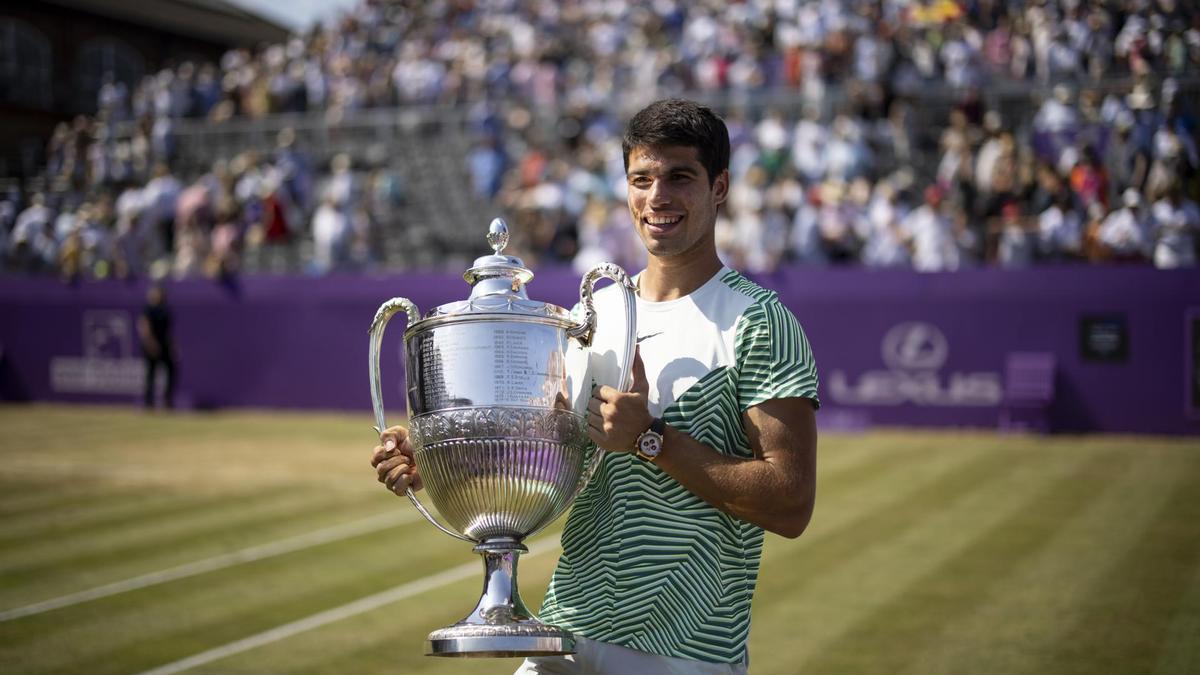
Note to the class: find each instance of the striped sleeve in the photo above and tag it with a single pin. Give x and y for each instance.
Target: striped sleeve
(774, 359)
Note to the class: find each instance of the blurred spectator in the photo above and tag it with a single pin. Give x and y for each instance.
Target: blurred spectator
(34, 247)
(1060, 231)
(887, 243)
(1088, 179)
(1057, 115)
(808, 145)
(330, 228)
(225, 250)
(193, 227)
(294, 173)
(990, 153)
(159, 201)
(1123, 235)
(487, 164)
(1016, 243)
(128, 234)
(274, 225)
(935, 248)
(837, 225)
(1125, 163)
(1176, 226)
(806, 244)
(1174, 156)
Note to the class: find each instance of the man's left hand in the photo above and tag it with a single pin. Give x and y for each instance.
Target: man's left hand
(617, 418)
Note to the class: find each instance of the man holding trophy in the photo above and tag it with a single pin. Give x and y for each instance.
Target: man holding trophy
(713, 444)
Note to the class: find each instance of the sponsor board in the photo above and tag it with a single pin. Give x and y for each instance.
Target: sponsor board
(914, 354)
(109, 364)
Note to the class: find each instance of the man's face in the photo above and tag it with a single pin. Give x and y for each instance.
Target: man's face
(674, 208)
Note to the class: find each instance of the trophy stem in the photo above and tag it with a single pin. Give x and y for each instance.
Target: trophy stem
(501, 600)
(500, 625)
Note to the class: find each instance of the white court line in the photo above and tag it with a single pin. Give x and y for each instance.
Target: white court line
(289, 545)
(328, 616)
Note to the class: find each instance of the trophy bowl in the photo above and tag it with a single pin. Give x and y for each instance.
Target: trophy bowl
(497, 389)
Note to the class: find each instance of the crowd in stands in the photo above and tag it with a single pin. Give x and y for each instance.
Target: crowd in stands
(1100, 163)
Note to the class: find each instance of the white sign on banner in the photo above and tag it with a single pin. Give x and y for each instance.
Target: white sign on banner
(915, 354)
(109, 364)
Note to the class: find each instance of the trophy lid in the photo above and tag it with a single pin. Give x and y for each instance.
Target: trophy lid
(498, 273)
(498, 283)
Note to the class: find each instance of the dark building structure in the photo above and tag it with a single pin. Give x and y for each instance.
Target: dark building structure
(55, 55)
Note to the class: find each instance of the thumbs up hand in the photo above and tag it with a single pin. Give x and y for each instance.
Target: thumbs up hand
(617, 418)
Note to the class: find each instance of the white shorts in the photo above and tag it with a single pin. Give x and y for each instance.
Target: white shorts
(601, 658)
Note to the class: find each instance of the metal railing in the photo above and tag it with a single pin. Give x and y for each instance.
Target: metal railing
(382, 124)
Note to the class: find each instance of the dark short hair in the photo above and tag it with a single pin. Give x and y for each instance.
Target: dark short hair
(676, 121)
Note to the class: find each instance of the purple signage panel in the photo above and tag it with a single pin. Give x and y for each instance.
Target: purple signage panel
(892, 347)
(896, 347)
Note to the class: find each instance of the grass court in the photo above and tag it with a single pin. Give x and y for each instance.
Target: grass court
(260, 543)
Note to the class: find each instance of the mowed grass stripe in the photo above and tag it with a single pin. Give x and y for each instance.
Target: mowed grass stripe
(1126, 615)
(80, 428)
(835, 581)
(391, 639)
(36, 573)
(1181, 649)
(323, 618)
(145, 628)
(1029, 615)
(131, 526)
(76, 511)
(862, 522)
(967, 579)
(29, 500)
(874, 472)
(281, 547)
(852, 495)
(193, 453)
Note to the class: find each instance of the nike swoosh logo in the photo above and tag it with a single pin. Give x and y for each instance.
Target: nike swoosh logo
(647, 337)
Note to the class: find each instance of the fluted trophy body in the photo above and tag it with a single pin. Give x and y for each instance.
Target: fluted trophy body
(497, 389)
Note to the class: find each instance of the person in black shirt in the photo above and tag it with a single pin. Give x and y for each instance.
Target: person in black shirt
(154, 329)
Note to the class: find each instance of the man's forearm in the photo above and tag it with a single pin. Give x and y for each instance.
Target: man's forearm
(758, 491)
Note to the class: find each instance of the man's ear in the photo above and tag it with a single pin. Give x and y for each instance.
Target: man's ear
(721, 187)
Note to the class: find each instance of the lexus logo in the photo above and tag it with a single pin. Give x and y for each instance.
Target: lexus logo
(107, 334)
(914, 345)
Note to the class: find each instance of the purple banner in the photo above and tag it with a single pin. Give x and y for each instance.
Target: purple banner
(892, 347)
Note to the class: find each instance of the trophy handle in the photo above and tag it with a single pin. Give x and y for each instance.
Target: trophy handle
(386, 310)
(584, 333)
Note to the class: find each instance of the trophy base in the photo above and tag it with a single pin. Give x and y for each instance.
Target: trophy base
(501, 625)
(517, 639)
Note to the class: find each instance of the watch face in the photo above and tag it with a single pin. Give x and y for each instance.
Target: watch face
(649, 444)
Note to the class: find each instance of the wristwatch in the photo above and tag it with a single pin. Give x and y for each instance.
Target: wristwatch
(650, 444)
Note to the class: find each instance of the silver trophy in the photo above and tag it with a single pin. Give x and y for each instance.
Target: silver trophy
(498, 387)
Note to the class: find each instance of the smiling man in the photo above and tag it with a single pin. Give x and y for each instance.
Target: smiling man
(714, 444)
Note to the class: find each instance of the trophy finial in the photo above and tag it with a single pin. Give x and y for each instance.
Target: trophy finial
(497, 236)
(497, 273)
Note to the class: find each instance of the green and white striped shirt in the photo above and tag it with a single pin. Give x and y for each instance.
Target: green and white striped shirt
(647, 564)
